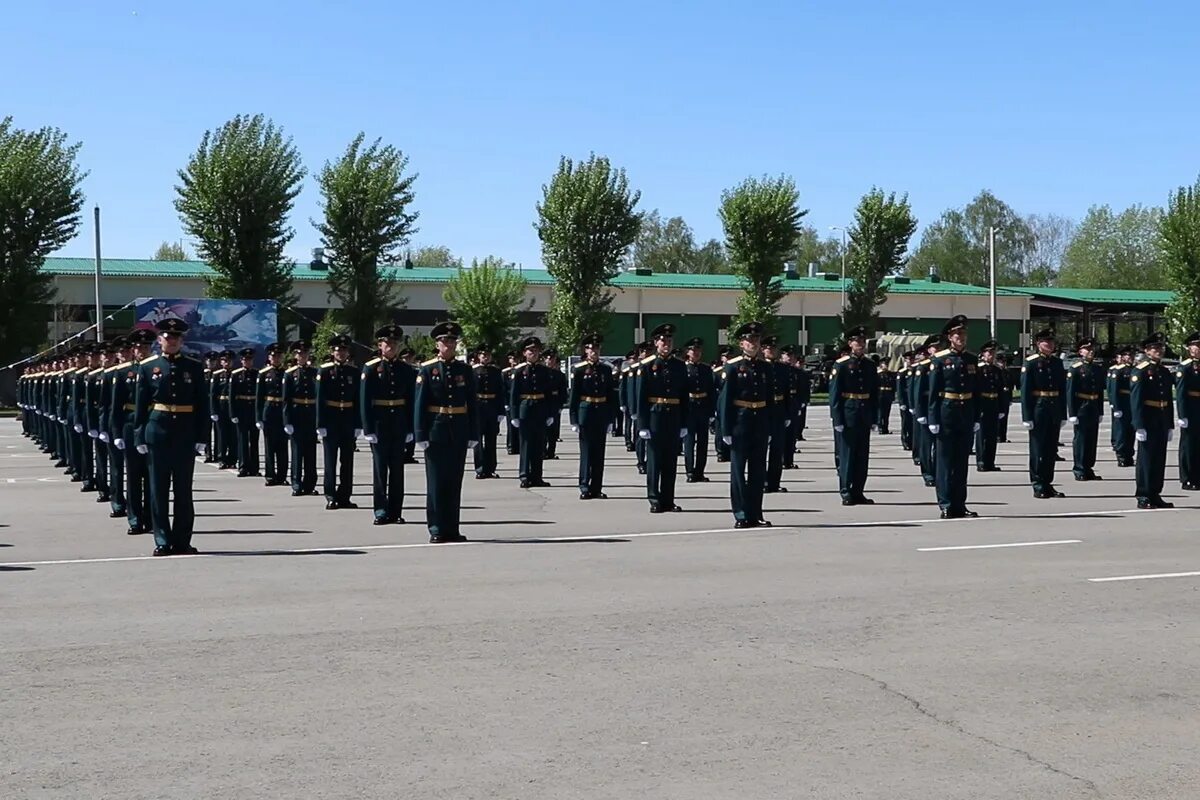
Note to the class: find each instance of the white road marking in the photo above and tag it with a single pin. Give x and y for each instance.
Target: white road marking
(1145, 577)
(996, 546)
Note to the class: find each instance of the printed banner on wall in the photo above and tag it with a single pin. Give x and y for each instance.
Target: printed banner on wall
(215, 325)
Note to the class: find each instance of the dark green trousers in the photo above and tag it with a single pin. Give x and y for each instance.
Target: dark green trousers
(1152, 464)
(1087, 435)
(592, 440)
(171, 464)
(854, 460)
(1043, 451)
(532, 447)
(953, 455)
(137, 484)
(444, 465)
(662, 465)
(1189, 454)
(747, 476)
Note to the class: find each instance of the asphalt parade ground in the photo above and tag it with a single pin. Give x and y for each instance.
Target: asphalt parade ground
(590, 649)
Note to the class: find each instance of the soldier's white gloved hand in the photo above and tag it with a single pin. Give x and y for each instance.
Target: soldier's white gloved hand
(143, 449)
(713, 417)
(934, 429)
(358, 433)
(787, 423)
(516, 423)
(1027, 424)
(422, 445)
(500, 419)
(904, 408)
(213, 417)
(977, 427)
(1141, 435)
(199, 448)
(623, 409)
(471, 443)
(103, 436)
(1001, 415)
(95, 434)
(323, 432)
(839, 428)
(727, 440)
(804, 405)
(922, 420)
(289, 429)
(120, 443)
(1170, 435)
(549, 421)
(408, 439)
(1073, 420)
(633, 416)
(372, 439)
(683, 433)
(574, 429)
(233, 419)
(258, 425)
(643, 434)
(78, 428)
(1183, 423)
(1118, 414)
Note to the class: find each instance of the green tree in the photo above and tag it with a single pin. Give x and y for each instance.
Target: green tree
(825, 254)
(423, 346)
(1179, 231)
(762, 224)
(486, 300)
(366, 202)
(328, 327)
(878, 247)
(957, 244)
(170, 251)
(710, 258)
(670, 246)
(234, 197)
(1115, 251)
(40, 201)
(1052, 234)
(586, 223)
(434, 256)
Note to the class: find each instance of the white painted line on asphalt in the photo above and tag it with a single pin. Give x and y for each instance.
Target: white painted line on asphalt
(996, 546)
(1145, 577)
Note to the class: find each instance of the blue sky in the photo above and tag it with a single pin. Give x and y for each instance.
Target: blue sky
(1054, 106)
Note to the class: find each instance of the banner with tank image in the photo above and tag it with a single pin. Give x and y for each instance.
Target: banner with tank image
(215, 325)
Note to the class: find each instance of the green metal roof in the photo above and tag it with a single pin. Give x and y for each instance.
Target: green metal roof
(1103, 297)
(148, 268)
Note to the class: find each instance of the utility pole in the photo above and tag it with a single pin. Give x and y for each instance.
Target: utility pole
(99, 305)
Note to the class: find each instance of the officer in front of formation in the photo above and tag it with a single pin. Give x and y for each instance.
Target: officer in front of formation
(1150, 406)
(887, 394)
(1119, 390)
(531, 411)
(169, 422)
(300, 418)
(268, 416)
(1085, 407)
(702, 406)
(780, 418)
(662, 407)
(489, 401)
(242, 384)
(1043, 411)
(122, 430)
(853, 393)
(990, 386)
(953, 417)
(385, 398)
(1187, 405)
(743, 417)
(445, 428)
(590, 408)
(338, 420)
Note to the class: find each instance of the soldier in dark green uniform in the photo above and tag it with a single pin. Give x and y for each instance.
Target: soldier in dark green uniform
(489, 402)
(242, 384)
(529, 411)
(93, 416)
(803, 394)
(853, 394)
(78, 417)
(592, 402)
(747, 392)
(1118, 400)
(385, 398)
(218, 404)
(338, 420)
(923, 445)
(887, 394)
(990, 384)
(719, 445)
(953, 417)
(512, 437)
(300, 418)
(1006, 398)
(780, 421)
(1043, 412)
(409, 356)
(1085, 407)
(210, 366)
(122, 418)
(1150, 405)
(662, 407)
(268, 416)
(798, 385)
(558, 399)
(118, 354)
(171, 409)
(902, 395)
(702, 407)
(643, 352)
(445, 428)
(1187, 405)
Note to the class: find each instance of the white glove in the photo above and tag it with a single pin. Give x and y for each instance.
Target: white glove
(258, 425)
(977, 427)
(516, 423)
(713, 417)
(143, 449)
(120, 443)
(574, 429)
(643, 434)
(1001, 415)
(683, 433)
(622, 409)
(1118, 414)
(213, 417)
(839, 428)
(804, 405)
(422, 445)
(1170, 435)
(1028, 424)
(922, 420)
(199, 448)
(633, 416)
(500, 419)
(78, 428)
(323, 432)
(471, 443)
(549, 421)
(289, 429)
(408, 438)
(787, 423)
(358, 433)
(1073, 420)
(904, 408)
(233, 419)
(95, 434)
(1141, 435)
(1183, 423)
(103, 436)
(727, 440)
(372, 439)
(935, 429)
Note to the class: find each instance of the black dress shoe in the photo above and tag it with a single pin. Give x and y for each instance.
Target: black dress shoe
(945, 514)
(479, 476)
(676, 508)
(102, 498)
(1145, 504)
(132, 531)
(297, 493)
(347, 504)
(185, 550)
(654, 509)
(243, 474)
(585, 495)
(493, 474)
(116, 514)
(690, 479)
(599, 496)
(380, 521)
(744, 523)
(440, 540)
(762, 523)
(967, 513)
(769, 490)
(162, 551)
(641, 470)
(1189, 487)
(847, 501)
(331, 505)
(1158, 502)
(864, 501)
(541, 484)
(703, 479)
(931, 483)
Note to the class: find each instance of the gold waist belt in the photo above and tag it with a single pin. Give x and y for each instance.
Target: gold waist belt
(663, 401)
(390, 403)
(304, 401)
(855, 396)
(755, 404)
(1040, 393)
(447, 409)
(172, 409)
(1089, 396)
(593, 400)
(339, 404)
(1156, 403)
(957, 395)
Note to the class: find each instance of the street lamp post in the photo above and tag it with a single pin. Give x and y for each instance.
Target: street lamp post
(843, 230)
(992, 273)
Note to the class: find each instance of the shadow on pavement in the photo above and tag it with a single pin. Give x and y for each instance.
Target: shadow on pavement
(262, 530)
(240, 514)
(509, 522)
(5, 568)
(217, 500)
(861, 525)
(581, 540)
(329, 552)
